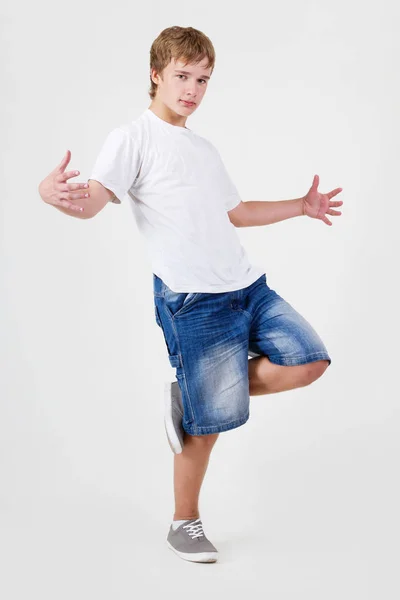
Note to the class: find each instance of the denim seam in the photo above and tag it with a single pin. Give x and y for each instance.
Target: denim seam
(300, 359)
(195, 430)
(157, 315)
(170, 316)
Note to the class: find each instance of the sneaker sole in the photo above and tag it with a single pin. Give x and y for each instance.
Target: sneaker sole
(172, 438)
(206, 557)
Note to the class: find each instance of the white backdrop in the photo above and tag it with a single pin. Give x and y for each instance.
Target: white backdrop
(302, 501)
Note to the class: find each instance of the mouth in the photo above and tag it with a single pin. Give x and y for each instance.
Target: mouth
(187, 103)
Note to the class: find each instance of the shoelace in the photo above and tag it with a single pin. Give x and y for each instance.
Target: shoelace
(195, 530)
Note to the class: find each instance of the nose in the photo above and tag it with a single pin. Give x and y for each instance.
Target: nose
(192, 92)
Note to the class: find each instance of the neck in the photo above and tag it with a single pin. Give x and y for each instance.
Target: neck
(165, 113)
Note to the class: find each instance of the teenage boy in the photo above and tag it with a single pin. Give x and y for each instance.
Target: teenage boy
(215, 309)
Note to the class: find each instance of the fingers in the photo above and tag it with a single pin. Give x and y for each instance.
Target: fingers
(66, 190)
(77, 196)
(67, 175)
(327, 221)
(334, 192)
(334, 212)
(66, 187)
(315, 182)
(65, 161)
(66, 204)
(336, 203)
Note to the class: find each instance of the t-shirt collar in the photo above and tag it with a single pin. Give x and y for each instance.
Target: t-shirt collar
(177, 128)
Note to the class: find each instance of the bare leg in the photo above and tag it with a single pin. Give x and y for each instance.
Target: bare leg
(190, 466)
(189, 469)
(267, 378)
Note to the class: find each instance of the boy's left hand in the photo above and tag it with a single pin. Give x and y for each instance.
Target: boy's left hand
(317, 205)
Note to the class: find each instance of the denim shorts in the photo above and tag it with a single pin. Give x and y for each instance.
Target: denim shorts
(209, 338)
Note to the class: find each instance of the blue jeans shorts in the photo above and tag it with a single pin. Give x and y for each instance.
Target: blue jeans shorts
(209, 337)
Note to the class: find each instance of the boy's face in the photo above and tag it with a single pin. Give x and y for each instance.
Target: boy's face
(182, 82)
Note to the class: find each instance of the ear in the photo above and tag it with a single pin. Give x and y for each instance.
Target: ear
(153, 75)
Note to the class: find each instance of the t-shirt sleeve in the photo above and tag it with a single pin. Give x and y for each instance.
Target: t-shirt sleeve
(232, 199)
(230, 193)
(117, 164)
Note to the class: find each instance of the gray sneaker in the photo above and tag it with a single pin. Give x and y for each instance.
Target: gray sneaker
(173, 416)
(190, 543)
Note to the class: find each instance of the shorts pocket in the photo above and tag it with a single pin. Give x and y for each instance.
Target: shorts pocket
(190, 297)
(183, 303)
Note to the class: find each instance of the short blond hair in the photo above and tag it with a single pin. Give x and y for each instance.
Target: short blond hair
(181, 43)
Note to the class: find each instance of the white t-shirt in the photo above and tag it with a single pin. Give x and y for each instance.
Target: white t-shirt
(179, 193)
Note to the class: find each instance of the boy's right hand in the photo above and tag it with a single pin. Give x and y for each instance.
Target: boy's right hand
(55, 190)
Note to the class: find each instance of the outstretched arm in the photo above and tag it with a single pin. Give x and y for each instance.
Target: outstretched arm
(313, 204)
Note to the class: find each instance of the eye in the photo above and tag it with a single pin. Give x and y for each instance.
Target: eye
(180, 75)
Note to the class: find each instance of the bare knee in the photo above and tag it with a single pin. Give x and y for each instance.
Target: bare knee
(204, 441)
(313, 371)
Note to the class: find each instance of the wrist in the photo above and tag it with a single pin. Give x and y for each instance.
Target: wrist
(302, 206)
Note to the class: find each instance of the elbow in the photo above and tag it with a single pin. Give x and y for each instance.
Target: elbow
(238, 215)
(235, 221)
(88, 212)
